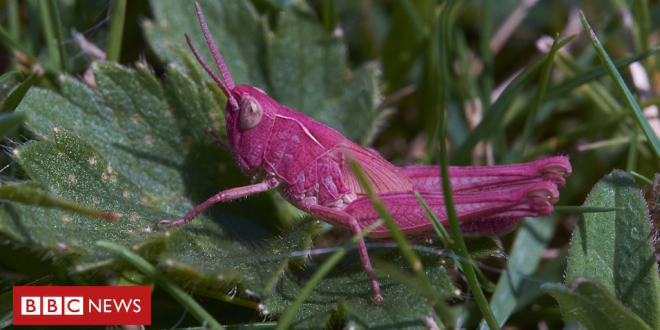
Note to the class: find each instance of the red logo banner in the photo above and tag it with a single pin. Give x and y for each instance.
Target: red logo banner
(82, 305)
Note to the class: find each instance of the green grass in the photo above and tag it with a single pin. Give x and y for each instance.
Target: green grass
(255, 261)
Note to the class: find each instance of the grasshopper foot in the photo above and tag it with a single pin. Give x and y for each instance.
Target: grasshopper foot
(378, 299)
(177, 223)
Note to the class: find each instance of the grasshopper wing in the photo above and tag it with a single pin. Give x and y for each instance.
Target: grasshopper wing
(481, 213)
(381, 174)
(476, 178)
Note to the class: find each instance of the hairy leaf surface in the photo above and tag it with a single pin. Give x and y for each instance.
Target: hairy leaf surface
(615, 248)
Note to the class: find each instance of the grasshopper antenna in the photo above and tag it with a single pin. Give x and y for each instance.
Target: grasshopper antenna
(229, 86)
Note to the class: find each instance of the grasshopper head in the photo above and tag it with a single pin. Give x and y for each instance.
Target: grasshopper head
(249, 114)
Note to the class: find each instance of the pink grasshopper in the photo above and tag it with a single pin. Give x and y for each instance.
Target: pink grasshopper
(306, 162)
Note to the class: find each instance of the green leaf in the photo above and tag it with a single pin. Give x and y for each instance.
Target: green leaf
(313, 282)
(235, 26)
(8, 121)
(25, 194)
(590, 302)
(137, 148)
(174, 290)
(214, 259)
(305, 67)
(16, 96)
(615, 248)
(531, 240)
(346, 294)
(402, 46)
(482, 247)
(308, 73)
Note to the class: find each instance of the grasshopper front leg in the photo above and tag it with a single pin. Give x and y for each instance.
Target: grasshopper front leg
(346, 220)
(223, 196)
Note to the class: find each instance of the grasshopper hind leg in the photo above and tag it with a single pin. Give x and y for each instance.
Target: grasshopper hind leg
(344, 219)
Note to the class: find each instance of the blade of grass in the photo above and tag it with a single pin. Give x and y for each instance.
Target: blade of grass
(49, 36)
(12, 44)
(584, 209)
(643, 178)
(593, 89)
(623, 90)
(22, 194)
(113, 49)
(421, 30)
(329, 15)
(531, 240)
(13, 18)
(439, 306)
(436, 60)
(33, 26)
(439, 228)
(57, 23)
(163, 281)
(5, 76)
(396, 233)
(578, 80)
(229, 299)
(492, 118)
(8, 121)
(486, 33)
(459, 247)
(584, 130)
(617, 141)
(462, 51)
(455, 228)
(519, 148)
(642, 20)
(450, 245)
(16, 96)
(287, 316)
(631, 163)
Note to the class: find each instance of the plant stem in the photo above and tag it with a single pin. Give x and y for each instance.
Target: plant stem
(47, 27)
(113, 49)
(457, 236)
(57, 23)
(163, 281)
(287, 316)
(13, 18)
(329, 16)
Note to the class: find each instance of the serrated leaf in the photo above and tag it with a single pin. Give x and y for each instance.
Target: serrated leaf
(615, 248)
(347, 294)
(137, 148)
(218, 259)
(308, 73)
(300, 64)
(235, 25)
(590, 302)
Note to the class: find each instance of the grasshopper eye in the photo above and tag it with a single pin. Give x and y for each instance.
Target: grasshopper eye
(251, 112)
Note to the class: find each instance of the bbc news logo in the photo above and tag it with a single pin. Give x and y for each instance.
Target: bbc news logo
(82, 305)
